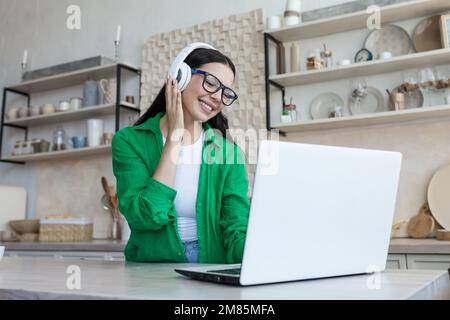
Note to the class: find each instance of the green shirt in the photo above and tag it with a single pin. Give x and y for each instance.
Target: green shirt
(222, 205)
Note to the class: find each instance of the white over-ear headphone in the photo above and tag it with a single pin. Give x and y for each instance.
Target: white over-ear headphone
(179, 69)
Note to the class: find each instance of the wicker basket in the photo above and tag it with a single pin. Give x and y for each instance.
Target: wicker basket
(65, 230)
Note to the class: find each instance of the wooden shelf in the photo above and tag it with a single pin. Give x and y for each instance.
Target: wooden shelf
(414, 60)
(68, 79)
(368, 119)
(358, 20)
(70, 153)
(84, 113)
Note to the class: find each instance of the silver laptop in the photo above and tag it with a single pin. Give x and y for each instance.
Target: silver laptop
(316, 211)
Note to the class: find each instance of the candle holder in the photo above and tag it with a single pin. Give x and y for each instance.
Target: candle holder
(116, 50)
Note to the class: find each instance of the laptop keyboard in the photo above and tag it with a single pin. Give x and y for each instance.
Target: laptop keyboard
(236, 271)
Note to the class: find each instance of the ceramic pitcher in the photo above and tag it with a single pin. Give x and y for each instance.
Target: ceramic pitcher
(108, 90)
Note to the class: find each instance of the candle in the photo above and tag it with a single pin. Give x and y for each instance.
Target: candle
(119, 29)
(25, 57)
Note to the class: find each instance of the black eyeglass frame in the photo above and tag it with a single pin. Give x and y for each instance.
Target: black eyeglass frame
(221, 85)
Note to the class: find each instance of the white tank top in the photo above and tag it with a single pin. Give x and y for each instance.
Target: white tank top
(186, 185)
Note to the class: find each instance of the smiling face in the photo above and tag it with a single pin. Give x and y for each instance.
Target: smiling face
(199, 104)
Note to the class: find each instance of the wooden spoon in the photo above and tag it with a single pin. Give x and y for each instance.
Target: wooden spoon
(421, 225)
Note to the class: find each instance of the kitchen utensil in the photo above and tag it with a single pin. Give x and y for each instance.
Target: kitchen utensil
(112, 197)
(281, 66)
(76, 103)
(23, 112)
(35, 111)
(421, 225)
(108, 90)
(397, 101)
(90, 93)
(48, 108)
(438, 196)
(372, 102)
(395, 227)
(94, 132)
(323, 104)
(12, 113)
(443, 235)
(59, 139)
(107, 137)
(40, 145)
(413, 98)
(63, 106)
(78, 142)
(106, 203)
(273, 22)
(390, 38)
(427, 34)
(25, 226)
(13, 201)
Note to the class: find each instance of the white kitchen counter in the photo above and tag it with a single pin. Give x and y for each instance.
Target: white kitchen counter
(30, 278)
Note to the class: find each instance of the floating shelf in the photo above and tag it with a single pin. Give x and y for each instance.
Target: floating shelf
(69, 79)
(84, 113)
(368, 119)
(358, 20)
(414, 60)
(70, 153)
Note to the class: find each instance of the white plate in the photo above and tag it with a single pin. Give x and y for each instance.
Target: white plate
(371, 103)
(438, 196)
(324, 103)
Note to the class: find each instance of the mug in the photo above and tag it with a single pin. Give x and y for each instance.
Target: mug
(108, 90)
(78, 142)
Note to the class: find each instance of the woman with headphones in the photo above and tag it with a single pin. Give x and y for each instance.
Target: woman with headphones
(181, 183)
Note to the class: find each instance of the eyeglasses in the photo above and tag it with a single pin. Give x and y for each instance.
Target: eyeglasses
(211, 84)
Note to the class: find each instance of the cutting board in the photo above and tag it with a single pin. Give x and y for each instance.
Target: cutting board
(13, 203)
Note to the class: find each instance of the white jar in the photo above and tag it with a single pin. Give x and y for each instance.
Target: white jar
(94, 132)
(76, 103)
(273, 22)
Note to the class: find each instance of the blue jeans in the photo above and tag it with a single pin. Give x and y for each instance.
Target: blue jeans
(191, 251)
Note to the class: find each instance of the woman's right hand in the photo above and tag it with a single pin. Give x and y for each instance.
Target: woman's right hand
(174, 110)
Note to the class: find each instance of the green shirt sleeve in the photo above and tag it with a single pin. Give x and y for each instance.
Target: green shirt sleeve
(146, 203)
(235, 208)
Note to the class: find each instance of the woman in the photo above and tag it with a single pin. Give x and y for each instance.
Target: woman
(182, 185)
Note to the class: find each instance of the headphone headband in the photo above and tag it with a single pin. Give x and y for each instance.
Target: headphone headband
(179, 69)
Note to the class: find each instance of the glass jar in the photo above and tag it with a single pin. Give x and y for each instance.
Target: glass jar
(59, 139)
(314, 61)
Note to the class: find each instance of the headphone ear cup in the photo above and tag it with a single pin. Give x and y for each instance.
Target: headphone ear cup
(184, 76)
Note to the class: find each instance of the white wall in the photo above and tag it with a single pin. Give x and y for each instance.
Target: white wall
(40, 27)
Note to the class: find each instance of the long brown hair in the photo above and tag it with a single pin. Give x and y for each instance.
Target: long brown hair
(195, 59)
